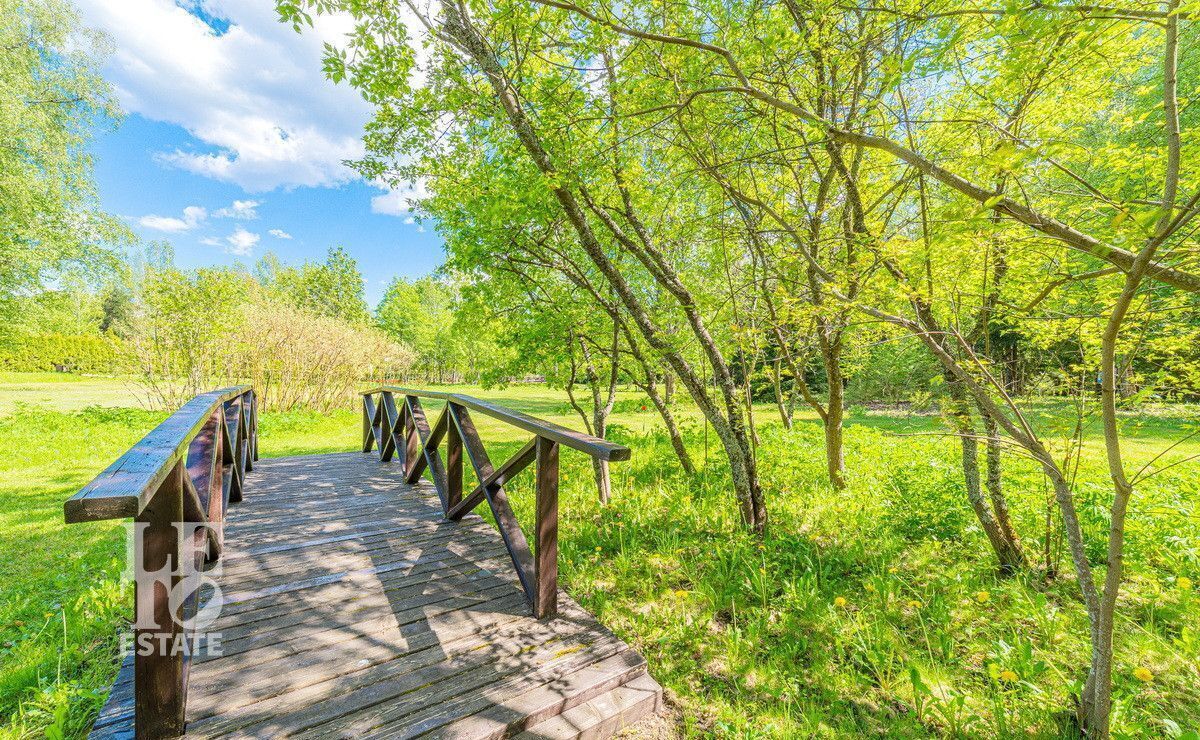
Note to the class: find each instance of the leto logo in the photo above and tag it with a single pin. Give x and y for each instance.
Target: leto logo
(178, 598)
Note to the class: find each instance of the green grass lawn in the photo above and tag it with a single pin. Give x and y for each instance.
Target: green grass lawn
(875, 610)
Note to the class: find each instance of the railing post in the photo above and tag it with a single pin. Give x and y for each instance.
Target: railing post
(254, 424)
(158, 667)
(454, 462)
(387, 421)
(546, 524)
(412, 441)
(251, 410)
(368, 412)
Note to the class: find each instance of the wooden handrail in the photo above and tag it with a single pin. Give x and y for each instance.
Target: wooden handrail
(176, 482)
(124, 488)
(392, 427)
(585, 443)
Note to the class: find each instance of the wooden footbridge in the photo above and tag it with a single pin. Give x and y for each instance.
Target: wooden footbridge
(342, 596)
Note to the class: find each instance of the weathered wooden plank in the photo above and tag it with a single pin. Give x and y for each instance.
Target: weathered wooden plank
(337, 647)
(602, 716)
(437, 705)
(507, 711)
(119, 706)
(294, 565)
(388, 701)
(259, 680)
(381, 577)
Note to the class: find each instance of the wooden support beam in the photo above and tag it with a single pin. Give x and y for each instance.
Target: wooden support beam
(368, 421)
(158, 669)
(499, 477)
(506, 521)
(537, 571)
(546, 528)
(387, 438)
(423, 449)
(233, 430)
(412, 443)
(454, 462)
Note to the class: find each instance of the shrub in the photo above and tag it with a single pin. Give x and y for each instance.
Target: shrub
(296, 359)
(210, 328)
(84, 354)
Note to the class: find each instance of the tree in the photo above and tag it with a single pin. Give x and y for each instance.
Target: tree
(607, 219)
(51, 100)
(331, 288)
(421, 314)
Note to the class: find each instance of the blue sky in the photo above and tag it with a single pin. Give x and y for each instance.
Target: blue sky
(232, 142)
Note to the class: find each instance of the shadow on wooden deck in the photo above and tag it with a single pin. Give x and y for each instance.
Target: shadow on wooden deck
(351, 608)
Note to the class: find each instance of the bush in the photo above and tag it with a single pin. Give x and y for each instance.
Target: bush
(201, 330)
(298, 360)
(84, 354)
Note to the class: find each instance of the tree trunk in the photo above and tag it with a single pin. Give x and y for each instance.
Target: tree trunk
(601, 409)
(603, 479)
(995, 485)
(1009, 555)
(785, 410)
(685, 460)
(835, 458)
(661, 404)
(750, 412)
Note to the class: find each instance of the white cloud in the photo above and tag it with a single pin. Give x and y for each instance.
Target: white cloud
(241, 242)
(397, 201)
(410, 220)
(192, 216)
(279, 234)
(254, 96)
(241, 209)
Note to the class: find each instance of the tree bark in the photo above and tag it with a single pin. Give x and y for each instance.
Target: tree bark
(685, 460)
(835, 409)
(785, 411)
(1009, 555)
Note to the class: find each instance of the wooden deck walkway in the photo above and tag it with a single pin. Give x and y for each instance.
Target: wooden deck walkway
(353, 608)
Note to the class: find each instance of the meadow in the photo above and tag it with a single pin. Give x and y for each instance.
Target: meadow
(872, 611)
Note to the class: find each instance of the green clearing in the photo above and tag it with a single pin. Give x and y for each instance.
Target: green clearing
(871, 611)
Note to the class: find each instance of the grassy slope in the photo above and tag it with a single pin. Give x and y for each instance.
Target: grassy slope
(752, 635)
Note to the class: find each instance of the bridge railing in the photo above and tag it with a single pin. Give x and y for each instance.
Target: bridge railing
(395, 421)
(176, 484)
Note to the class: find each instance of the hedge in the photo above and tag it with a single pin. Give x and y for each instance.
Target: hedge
(83, 354)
